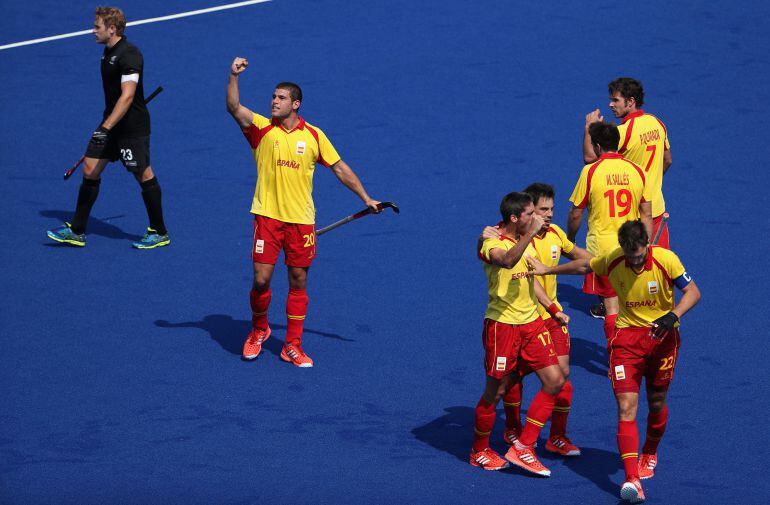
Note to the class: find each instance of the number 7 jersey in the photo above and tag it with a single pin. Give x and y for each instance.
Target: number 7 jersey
(612, 188)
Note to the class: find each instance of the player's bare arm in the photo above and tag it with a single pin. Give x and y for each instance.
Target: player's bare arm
(578, 253)
(575, 267)
(241, 114)
(508, 259)
(666, 160)
(589, 156)
(549, 305)
(665, 323)
(127, 92)
(573, 222)
(346, 176)
(645, 214)
(491, 232)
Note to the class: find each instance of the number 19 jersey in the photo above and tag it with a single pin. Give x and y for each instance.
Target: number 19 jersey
(612, 188)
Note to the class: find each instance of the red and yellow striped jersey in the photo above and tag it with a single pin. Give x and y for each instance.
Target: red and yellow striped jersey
(643, 138)
(285, 166)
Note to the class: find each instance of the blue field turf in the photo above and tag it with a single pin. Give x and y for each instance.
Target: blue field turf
(120, 377)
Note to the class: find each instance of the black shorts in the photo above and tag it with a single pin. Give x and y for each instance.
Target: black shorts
(134, 153)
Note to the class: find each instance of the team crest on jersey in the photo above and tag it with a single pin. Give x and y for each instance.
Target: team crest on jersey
(502, 361)
(276, 144)
(620, 373)
(259, 246)
(300, 147)
(554, 252)
(113, 59)
(652, 287)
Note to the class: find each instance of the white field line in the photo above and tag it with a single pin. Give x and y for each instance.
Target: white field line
(139, 22)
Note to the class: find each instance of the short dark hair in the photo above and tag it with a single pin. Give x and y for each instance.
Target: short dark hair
(632, 235)
(605, 134)
(538, 190)
(295, 92)
(628, 88)
(513, 204)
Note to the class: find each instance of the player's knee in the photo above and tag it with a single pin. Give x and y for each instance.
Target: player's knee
(261, 283)
(656, 404)
(554, 384)
(626, 410)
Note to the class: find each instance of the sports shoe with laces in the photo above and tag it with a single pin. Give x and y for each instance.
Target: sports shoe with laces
(253, 344)
(296, 356)
(647, 464)
(525, 458)
(560, 444)
(598, 311)
(631, 491)
(151, 240)
(487, 459)
(65, 235)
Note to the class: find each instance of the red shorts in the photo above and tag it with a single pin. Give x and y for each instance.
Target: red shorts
(598, 285)
(663, 239)
(635, 354)
(559, 336)
(512, 347)
(272, 235)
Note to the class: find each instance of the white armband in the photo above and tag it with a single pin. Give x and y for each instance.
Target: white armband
(129, 77)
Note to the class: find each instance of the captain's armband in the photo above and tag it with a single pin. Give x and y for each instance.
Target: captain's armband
(682, 281)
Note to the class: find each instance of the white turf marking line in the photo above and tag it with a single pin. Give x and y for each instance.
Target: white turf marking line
(140, 22)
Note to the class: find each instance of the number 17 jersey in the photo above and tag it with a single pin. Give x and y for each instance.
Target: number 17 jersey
(612, 188)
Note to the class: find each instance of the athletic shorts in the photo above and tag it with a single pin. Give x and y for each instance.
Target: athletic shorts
(559, 336)
(272, 235)
(635, 354)
(598, 285)
(134, 153)
(516, 347)
(663, 240)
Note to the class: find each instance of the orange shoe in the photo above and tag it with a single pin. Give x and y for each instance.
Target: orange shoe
(296, 356)
(647, 464)
(631, 491)
(560, 444)
(526, 459)
(487, 459)
(253, 344)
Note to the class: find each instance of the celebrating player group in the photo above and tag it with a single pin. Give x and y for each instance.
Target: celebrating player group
(525, 329)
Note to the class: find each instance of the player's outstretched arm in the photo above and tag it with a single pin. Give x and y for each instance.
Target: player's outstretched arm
(241, 114)
(576, 267)
(573, 222)
(579, 253)
(346, 176)
(589, 156)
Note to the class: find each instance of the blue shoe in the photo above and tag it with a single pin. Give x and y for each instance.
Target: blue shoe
(65, 235)
(151, 240)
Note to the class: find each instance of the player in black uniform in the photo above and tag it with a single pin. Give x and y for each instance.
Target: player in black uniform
(123, 133)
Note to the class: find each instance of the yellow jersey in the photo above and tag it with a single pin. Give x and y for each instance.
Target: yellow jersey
(550, 247)
(643, 138)
(644, 296)
(511, 291)
(285, 166)
(612, 188)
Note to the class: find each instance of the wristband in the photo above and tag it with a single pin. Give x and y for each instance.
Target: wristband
(553, 309)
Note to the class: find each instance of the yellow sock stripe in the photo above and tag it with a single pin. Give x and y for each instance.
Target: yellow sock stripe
(481, 433)
(535, 422)
(259, 313)
(515, 404)
(629, 455)
(561, 409)
(296, 318)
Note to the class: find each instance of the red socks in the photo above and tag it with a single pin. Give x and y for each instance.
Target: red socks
(609, 325)
(628, 445)
(539, 411)
(512, 405)
(485, 420)
(561, 410)
(296, 308)
(656, 426)
(260, 301)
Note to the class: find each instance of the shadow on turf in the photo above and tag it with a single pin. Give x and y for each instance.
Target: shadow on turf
(101, 227)
(452, 433)
(230, 333)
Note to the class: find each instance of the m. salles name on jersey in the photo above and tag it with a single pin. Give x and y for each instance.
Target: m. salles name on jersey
(616, 179)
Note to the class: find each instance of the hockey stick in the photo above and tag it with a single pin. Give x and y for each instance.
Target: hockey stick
(357, 215)
(663, 220)
(71, 171)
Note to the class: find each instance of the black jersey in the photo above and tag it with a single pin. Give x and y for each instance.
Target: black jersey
(122, 59)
